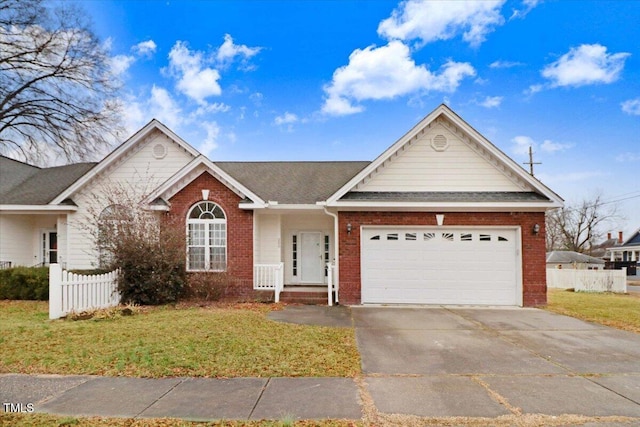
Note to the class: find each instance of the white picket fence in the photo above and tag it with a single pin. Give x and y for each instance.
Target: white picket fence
(268, 277)
(588, 280)
(71, 292)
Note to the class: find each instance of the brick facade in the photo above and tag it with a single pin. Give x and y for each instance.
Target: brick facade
(239, 230)
(534, 282)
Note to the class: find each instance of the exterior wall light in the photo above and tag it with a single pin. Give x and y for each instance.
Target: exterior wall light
(536, 229)
(349, 228)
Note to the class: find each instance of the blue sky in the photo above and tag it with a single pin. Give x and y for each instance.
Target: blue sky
(342, 80)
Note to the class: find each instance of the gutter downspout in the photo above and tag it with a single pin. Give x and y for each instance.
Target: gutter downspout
(336, 251)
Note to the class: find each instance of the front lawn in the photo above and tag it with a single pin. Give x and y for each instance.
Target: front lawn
(616, 310)
(222, 341)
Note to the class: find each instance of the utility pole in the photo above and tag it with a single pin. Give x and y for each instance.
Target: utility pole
(531, 162)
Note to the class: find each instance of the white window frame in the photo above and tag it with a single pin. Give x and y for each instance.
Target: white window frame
(208, 229)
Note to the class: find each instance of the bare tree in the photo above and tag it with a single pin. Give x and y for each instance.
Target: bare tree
(57, 93)
(579, 227)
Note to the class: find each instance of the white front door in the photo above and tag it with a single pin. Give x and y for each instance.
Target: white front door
(311, 266)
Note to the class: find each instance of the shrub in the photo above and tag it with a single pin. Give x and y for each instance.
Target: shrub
(25, 283)
(151, 261)
(206, 286)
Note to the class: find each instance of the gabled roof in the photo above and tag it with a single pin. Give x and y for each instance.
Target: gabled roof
(23, 184)
(121, 151)
(548, 198)
(634, 240)
(570, 257)
(192, 170)
(293, 182)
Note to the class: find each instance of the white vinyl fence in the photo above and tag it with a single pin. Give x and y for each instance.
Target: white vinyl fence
(268, 277)
(588, 280)
(70, 292)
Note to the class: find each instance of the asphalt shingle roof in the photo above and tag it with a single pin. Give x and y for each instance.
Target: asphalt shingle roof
(22, 184)
(565, 257)
(444, 196)
(293, 182)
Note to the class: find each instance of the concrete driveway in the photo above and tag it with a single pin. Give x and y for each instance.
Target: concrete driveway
(481, 362)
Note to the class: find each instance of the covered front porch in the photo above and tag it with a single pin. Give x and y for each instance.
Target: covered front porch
(294, 254)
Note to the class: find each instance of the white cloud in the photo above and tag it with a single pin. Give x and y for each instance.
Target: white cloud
(228, 52)
(587, 64)
(533, 89)
(120, 64)
(214, 108)
(552, 147)
(491, 101)
(429, 21)
(164, 108)
(528, 6)
(145, 48)
(159, 105)
(286, 118)
(631, 106)
(628, 157)
(384, 73)
(195, 80)
(505, 64)
(521, 144)
(210, 142)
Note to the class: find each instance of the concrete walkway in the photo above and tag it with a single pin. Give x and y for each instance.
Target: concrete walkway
(427, 362)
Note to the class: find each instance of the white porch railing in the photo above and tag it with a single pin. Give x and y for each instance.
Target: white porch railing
(268, 277)
(588, 280)
(69, 292)
(331, 285)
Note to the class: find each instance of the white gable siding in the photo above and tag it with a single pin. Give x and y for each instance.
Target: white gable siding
(139, 172)
(419, 167)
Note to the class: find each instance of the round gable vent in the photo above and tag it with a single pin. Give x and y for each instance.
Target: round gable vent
(439, 143)
(159, 151)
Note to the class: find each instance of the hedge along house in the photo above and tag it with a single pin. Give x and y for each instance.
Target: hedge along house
(441, 217)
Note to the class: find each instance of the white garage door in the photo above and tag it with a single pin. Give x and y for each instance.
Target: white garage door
(440, 266)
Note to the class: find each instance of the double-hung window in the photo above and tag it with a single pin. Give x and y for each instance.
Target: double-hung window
(206, 238)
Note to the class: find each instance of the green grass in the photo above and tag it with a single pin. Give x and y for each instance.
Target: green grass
(225, 341)
(35, 420)
(616, 310)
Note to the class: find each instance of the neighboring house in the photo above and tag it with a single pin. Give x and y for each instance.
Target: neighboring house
(628, 250)
(573, 260)
(441, 217)
(626, 254)
(601, 250)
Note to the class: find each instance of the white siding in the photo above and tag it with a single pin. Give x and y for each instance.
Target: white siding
(139, 174)
(421, 168)
(268, 239)
(16, 240)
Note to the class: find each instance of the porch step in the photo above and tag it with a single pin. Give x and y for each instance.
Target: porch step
(308, 295)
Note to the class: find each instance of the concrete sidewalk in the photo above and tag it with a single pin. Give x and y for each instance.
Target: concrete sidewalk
(197, 399)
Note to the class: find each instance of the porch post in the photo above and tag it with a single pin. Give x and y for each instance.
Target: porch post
(336, 251)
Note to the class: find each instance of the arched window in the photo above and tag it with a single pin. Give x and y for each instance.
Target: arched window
(206, 238)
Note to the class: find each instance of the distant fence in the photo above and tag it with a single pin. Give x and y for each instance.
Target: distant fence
(70, 292)
(588, 280)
